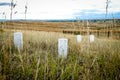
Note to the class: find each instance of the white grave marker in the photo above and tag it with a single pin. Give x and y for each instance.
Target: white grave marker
(92, 38)
(18, 40)
(79, 38)
(62, 47)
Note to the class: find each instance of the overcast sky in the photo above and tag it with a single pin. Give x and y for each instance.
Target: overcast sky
(60, 9)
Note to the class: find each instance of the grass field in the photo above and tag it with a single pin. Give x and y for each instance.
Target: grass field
(39, 59)
(59, 26)
(99, 28)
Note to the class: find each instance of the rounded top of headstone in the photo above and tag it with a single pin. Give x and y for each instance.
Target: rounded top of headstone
(18, 33)
(63, 39)
(91, 35)
(79, 35)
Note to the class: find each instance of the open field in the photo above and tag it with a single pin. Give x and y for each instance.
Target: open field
(110, 29)
(39, 59)
(59, 40)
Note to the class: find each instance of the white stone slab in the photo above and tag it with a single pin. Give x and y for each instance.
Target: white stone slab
(92, 38)
(62, 47)
(18, 40)
(79, 38)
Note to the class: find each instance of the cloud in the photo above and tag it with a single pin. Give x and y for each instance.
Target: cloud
(96, 14)
(4, 4)
(88, 13)
(61, 9)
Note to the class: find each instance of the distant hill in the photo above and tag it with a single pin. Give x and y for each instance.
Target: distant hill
(61, 20)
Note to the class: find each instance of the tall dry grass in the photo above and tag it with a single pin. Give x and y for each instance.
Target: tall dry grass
(39, 60)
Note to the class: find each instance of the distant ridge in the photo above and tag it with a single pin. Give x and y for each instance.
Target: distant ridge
(59, 20)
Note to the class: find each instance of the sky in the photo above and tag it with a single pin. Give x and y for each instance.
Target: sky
(60, 9)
